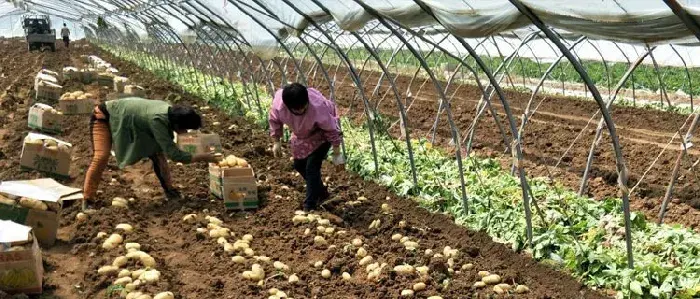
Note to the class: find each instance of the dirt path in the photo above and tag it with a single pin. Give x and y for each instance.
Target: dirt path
(195, 266)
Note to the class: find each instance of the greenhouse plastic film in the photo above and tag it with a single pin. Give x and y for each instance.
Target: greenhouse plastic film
(622, 20)
(477, 18)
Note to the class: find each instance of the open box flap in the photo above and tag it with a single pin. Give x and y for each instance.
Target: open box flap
(41, 189)
(35, 136)
(11, 232)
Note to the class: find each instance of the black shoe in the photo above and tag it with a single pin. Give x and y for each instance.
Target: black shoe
(173, 194)
(324, 195)
(310, 206)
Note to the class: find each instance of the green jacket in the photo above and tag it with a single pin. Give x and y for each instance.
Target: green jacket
(140, 128)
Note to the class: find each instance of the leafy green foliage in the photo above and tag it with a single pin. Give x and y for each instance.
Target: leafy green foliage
(583, 236)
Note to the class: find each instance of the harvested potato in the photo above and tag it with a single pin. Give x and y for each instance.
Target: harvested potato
(404, 269)
(521, 289)
(122, 281)
(479, 284)
(419, 287)
(498, 290)
(189, 218)
(320, 240)
(467, 266)
(407, 293)
(107, 269)
(164, 295)
(112, 241)
(280, 266)
(124, 273)
(147, 261)
(238, 259)
(366, 260)
(346, 276)
(396, 237)
(33, 204)
(150, 276)
(120, 261)
(326, 273)
(357, 242)
(127, 228)
(300, 219)
(293, 279)
(491, 279)
(361, 252)
(81, 217)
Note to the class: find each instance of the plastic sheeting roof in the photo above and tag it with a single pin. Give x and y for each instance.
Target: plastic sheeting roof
(261, 22)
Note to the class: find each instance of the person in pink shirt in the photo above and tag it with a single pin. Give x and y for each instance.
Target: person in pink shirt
(313, 121)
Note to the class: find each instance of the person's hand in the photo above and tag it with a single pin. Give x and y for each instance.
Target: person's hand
(277, 149)
(338, 158)
(208, 157)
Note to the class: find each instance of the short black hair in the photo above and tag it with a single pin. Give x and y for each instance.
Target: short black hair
(184, 118)
(64, 24)
(295, 96)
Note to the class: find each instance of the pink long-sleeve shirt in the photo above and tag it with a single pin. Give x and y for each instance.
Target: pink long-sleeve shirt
(319, 124)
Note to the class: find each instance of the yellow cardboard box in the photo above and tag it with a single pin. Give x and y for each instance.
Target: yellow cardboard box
(44, 118)
(236, 186)
(134, 90)
(48, 91)
(47, 154)
(71, 73)
(196, 142)
(120, 83)
(44, 223)
(105, 79)
(21, 270)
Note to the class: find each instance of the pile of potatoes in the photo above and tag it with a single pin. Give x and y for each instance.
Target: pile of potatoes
(77, 95)
(49, 144)
(131, 280)
(30, 203)
(47, 108)
(233, 162)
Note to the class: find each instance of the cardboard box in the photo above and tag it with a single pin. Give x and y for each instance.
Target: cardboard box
(72, 107)
(88, 76)
(134, 90)
(71, 73)
(120, 83)
(105, 79)
(48, 91)
(36, 155)
(236, 186)
(44, 223)
(44, 118)
(199, 143)
(21, 271)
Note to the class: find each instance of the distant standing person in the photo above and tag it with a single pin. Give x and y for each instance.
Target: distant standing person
(65, 33)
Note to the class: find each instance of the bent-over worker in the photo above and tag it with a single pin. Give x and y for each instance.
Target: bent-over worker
(313, 121)
(137, 128)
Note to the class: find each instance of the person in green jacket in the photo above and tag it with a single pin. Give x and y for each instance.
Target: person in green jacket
(135, 129)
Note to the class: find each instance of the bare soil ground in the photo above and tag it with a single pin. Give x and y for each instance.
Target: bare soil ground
(194, 266)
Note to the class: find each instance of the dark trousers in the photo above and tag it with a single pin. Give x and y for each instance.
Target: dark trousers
(66, 41)
(310, 170)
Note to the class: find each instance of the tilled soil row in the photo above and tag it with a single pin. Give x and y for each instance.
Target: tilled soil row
(195, 266)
